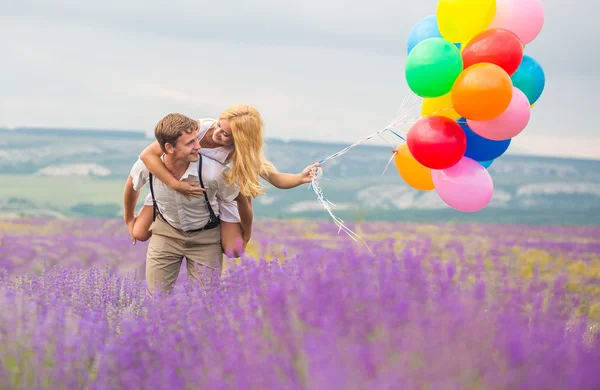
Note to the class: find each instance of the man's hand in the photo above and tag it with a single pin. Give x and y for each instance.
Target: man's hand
(246, 238)
(130, 228)
(189, 189)
(309, 172)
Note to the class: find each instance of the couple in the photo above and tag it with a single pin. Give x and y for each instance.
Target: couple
(203, 175)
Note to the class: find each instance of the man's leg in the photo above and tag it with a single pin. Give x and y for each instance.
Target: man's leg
(204, 256)
(164, 256)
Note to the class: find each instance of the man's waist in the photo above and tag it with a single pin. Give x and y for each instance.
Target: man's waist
(209, 225)
(204, 224)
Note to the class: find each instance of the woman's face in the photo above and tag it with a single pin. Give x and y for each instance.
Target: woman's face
(222, 134)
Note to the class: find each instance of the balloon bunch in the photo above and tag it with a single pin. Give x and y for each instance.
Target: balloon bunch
(478, 86)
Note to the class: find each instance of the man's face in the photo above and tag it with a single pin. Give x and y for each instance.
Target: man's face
(186, 148)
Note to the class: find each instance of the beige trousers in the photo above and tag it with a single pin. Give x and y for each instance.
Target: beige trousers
(167, 248)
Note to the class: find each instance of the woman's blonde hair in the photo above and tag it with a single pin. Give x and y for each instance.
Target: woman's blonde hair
(247, 158)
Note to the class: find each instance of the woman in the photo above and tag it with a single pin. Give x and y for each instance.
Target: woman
(235, 138)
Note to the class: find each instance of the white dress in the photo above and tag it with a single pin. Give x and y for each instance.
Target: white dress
(227, 211)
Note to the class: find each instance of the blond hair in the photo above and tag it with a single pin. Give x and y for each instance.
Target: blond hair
(247, 158)
(171, 127)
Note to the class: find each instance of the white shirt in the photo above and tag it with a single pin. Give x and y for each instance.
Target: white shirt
(176, 209)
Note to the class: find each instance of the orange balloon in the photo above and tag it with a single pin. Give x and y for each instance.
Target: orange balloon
(414, 174)
(482, 92)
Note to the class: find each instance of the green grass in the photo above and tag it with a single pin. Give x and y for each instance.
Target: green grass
(97, 197)
(62, 192)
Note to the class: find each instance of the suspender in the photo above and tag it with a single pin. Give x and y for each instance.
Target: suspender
(213, 221)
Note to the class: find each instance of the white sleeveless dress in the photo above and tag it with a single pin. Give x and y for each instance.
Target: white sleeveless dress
(228, 211)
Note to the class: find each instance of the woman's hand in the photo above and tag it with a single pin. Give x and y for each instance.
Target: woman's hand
(189, 189)
(309, 172)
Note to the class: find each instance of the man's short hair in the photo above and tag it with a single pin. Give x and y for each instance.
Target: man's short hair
(171, 127)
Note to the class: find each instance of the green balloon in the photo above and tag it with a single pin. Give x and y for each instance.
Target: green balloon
(432, 67)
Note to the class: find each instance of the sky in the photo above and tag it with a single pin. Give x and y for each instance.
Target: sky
(326, 70)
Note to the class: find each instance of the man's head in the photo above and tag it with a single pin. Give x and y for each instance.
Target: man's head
(177, 135)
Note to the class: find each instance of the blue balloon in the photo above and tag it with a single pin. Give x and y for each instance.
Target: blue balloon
(424, 29)
(530, 78)
(486, 164)
(480, 148)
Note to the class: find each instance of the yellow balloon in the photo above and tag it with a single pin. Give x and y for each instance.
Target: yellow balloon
(463, 45)
(461, 20)
(439, 106)
(414, 174)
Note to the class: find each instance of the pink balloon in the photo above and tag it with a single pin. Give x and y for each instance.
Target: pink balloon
(508, 124)
(466, 186)
(525, 18)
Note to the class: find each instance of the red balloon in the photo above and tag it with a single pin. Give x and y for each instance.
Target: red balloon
(497, 46)
(437, 142)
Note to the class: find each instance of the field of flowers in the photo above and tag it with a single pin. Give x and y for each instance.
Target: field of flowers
(431, 307)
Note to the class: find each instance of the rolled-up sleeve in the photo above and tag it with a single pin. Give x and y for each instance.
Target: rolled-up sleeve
(139, 175)
(228, 212)
(226, 192)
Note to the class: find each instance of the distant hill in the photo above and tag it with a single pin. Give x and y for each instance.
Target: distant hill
(70, 171)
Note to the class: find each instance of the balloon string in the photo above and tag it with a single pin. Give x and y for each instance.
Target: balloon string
(394, 152)
(409, 102)
(338, 221)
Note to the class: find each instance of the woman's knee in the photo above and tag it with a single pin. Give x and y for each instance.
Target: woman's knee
(141, 234)
(141, 228)
(231, 239)
(233, 248)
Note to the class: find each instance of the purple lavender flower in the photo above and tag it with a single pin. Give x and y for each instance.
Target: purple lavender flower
(432, 306)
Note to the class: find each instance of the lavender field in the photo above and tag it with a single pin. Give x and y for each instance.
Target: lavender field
(433, 307)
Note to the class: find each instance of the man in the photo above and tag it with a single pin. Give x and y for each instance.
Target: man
(181, 227)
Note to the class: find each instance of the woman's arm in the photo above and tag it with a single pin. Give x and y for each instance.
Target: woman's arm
(286, 181)
(151, 159)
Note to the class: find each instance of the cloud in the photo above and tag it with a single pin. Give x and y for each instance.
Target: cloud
(325, 70)
(381, 26)
(559, 146)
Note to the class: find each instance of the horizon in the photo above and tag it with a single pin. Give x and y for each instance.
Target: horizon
(371, 143)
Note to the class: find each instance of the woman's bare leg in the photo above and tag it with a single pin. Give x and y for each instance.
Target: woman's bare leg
(232, 239)
(142, 224)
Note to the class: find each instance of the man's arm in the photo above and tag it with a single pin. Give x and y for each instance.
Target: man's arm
(231, 193)
(244, 204)
(130, 198)
(138, 177)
